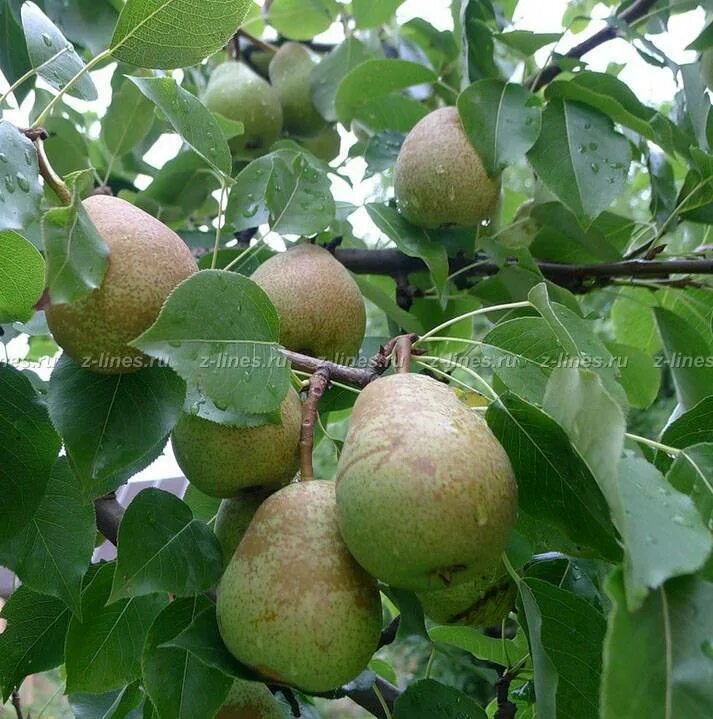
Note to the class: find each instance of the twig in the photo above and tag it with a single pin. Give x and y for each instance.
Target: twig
(506, 709)
(17, 704)
(37, 135)
(257, 42)
(634, 12)
(318, 384)
(388, 636)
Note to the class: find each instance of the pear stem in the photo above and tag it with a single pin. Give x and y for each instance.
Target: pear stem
(403, 349)
(318, 384)
(257, 42)
(51, 178)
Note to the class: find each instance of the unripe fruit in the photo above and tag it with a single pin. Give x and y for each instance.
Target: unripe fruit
(325, 146)
(426, 495)
(320, 306)
(220, 460)
(250, 700)
(439, 179)
(293, 604)
(234, 517)
(238, 93)
(290, 75)
(146, 262)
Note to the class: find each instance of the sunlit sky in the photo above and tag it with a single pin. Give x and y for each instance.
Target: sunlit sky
(651, 85)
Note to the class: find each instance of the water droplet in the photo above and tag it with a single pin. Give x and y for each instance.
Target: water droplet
(680, 520)
(28, 157)
(22, 182)
(440, 170)
(175, 345)
(581, 149)
(587, 125)
(3, 157)
(593, 146)
(10, 184)
(250, 210)
(595, 167)
(610, 180)
(47, 40)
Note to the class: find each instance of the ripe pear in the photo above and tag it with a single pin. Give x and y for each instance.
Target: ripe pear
(426, 495)
(325, 146)
(293, 604)
(238, 93)
(146, 262)
(290, 75)
(707, 68)
(439, 179)
(234, 517)
(221, 460)
(320, 306)
(250, 700)
(480, 602)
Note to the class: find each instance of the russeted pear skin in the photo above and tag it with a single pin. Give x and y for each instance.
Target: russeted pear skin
(220, 460)
(146, 261)
(290, 75)
(439, 179)
(481, 602)
(234, 517)
(238, 93)
(250, 700)
(320, 306)
(293, 604)
(426, 495)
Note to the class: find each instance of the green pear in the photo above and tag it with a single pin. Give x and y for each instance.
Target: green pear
(320, 306)
(293, 604)
(707, 68)
(480, 602)
(250, 700)
(146, 262)
(325, 146)
(290, 75)
(426, 495)
(234, 517)
(238, 93)
(439, 179)
(220, 460)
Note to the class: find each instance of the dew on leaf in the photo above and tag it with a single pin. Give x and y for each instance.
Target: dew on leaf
(3, 157)
(10, 184)
(47, 40)
(595, 167)
(22, 182)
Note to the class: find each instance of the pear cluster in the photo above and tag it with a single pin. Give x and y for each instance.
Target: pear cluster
(275, 99)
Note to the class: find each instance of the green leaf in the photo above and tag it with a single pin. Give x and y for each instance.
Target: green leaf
(22, 277)
(639, 375)
(77, 256)
(505, 652)
(368, 13)
(633, 319)
(413, 241)
(554, 484)
(570, 632)
(28, 451)
(500, 122)
(286, 189)
(429, 699)
(118, 704)
(526, 42)
(202, 640)
(385, 302)
(167, 34)
(395, 112)
(131, 413)
(127, 121)
(693, 427)
(302, 19)
(694, 305)
(327, 76)
(698, 106)
(14, 59)
(581, 158)
(203, 507)
(162, 548)
(190, 118)
(374, 79)
(381, 151)
(33, 640)
(213, 328)
(51, 554)
(692, 474)
(20, 190)
(87, 22)
(103, 651)
(687, 355)
(53, 56)
(171, 675)
(663, 649)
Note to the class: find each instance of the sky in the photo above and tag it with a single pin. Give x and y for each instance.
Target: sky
(651, 85)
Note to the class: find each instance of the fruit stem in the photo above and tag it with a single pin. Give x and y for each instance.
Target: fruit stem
(382, 701)
(51, 178)
(318, 384)
(257, 41)
(403, 349)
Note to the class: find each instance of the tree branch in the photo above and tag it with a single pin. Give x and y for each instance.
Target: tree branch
(17, 704)
(634, 12)
(318, 384)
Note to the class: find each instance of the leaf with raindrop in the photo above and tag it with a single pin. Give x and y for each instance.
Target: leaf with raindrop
(20, 189)
(53, 56)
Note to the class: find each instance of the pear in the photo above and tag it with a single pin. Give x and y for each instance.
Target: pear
(290, 75)
(220, 460)
(325, 146)
(238, 93)
(250, 700)
(234, 517)
(146, 262)
(439, 179)
(480, 602)
(426, 495)
(320, 306)
(293, 604)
